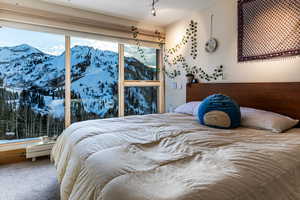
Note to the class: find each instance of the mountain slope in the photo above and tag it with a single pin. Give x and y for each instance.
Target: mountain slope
(34, 80)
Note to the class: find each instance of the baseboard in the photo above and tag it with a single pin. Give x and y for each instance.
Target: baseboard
(14, 152)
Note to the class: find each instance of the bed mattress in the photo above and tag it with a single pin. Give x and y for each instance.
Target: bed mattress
(173, 157)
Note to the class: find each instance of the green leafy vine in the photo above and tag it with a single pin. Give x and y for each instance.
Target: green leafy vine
(141, 51)
(190, 34)
(176, 62)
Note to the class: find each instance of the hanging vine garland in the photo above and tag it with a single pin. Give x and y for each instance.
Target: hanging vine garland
(190, 34)
(159, 38)
(179, 60)
(141, 51)
(195, 70)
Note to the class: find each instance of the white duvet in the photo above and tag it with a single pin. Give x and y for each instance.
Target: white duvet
(172, 157)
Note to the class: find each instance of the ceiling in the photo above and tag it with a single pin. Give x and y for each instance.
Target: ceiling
(168, 12)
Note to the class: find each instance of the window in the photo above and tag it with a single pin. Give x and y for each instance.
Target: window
(94, 79)
(143, 83)
(32, 74)
(48, 81)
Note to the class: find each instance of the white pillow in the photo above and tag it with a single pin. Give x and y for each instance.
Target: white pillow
(188, 108)
(195, 113)
(261, 119)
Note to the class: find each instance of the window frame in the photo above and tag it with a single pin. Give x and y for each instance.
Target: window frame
(122, 83)
(141, 83)
(11, 146)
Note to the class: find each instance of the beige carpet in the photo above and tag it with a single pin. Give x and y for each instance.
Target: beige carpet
(29, 181)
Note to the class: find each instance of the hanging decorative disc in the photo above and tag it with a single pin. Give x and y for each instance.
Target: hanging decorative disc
(212, 44)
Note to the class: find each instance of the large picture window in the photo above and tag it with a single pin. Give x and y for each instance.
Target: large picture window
(32, 74)
(48, 81)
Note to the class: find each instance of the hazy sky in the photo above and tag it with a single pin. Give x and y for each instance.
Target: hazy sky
(55, 44)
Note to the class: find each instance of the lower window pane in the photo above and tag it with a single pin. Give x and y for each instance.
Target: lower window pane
(140, 100)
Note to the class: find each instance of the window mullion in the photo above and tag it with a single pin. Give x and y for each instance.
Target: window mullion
(161, 91)
(121, 89)
(68, 81)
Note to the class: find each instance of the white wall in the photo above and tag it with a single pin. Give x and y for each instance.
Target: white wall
(225, 30)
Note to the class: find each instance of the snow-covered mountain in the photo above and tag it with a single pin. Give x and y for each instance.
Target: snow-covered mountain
(39, 79)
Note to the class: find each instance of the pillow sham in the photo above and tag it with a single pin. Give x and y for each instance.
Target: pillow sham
(261, 119)
(190, 108)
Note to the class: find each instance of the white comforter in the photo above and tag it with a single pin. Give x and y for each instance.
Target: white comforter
(172, 157)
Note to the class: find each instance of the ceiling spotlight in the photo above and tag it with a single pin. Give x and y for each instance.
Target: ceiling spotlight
(153, 11)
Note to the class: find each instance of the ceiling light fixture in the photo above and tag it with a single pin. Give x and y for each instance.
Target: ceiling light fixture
(153, 11)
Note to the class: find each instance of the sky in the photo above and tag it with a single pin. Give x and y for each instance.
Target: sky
(55, 44)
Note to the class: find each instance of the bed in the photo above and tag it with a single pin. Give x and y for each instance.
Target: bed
(172, 157)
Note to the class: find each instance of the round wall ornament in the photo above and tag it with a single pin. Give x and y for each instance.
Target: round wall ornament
(211, 45)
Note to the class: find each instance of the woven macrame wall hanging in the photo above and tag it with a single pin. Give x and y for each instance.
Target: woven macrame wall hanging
(268, 29)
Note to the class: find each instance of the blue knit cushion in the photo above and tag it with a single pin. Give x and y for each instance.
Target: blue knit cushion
(219, 111)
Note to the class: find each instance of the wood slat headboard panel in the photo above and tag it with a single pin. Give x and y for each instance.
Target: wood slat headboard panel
(283, 98)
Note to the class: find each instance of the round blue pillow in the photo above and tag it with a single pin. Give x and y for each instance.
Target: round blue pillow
(219, 111)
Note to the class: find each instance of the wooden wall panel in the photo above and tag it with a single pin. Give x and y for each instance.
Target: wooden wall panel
(12, 156)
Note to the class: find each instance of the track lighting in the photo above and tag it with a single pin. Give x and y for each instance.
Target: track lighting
(153, 11)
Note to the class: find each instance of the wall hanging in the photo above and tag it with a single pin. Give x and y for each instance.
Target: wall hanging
(268, 29)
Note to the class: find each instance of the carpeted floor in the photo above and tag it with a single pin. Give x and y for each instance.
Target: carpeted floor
(29, 181)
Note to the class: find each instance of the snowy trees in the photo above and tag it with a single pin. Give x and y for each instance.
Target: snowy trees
(20, 118)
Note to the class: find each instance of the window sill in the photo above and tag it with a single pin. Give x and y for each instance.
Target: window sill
(18, 145)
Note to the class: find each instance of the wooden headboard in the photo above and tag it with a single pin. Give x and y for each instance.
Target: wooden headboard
(283, 98)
